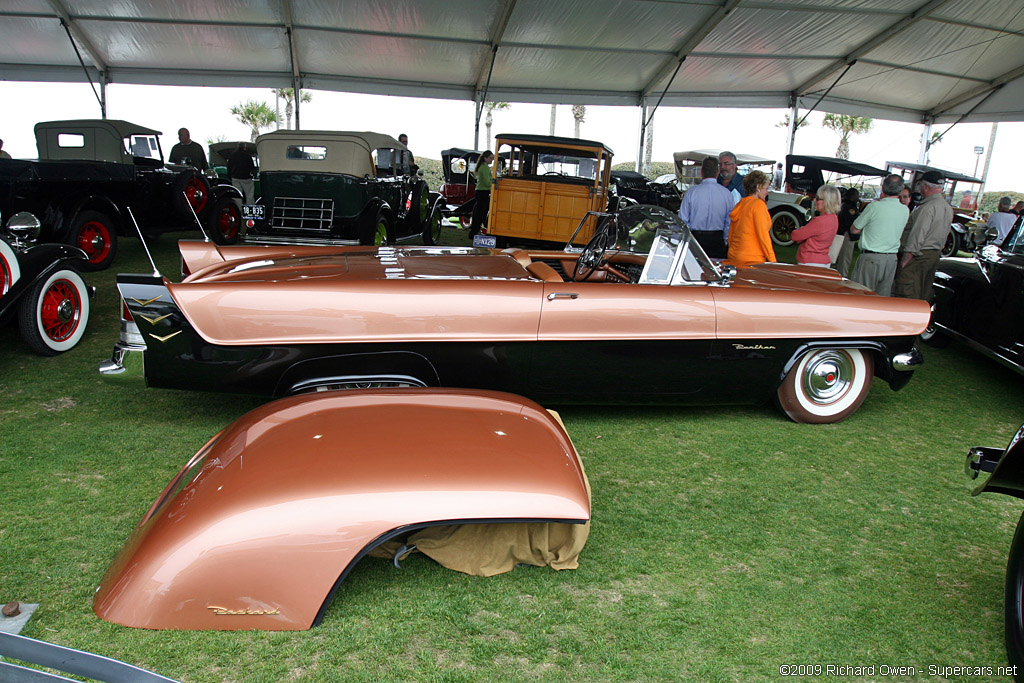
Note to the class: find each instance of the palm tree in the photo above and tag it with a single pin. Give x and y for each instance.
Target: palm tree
(491, 106)
(846, 126)
(578, 112)
(784, 123)
(288, 95)
(256, 115)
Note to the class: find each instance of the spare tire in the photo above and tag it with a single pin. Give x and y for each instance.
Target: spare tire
(190, 192)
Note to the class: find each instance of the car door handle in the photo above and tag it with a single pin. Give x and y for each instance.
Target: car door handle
(563, 295)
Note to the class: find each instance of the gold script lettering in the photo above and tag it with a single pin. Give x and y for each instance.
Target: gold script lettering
(255, 612)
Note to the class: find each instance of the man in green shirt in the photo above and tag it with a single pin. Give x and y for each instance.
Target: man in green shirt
(880, 226)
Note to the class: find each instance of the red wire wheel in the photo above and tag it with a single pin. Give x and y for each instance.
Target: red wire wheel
(55, 313)
(196, 192)
(94, 239)
(226, 221)
(61, 310)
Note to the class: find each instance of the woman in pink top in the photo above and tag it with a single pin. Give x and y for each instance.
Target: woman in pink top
(816, 237)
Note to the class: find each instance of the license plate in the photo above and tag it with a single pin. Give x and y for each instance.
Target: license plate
(254, 211)
(485, 241)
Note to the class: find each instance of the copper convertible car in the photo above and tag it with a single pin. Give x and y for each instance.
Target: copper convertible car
(597, 325)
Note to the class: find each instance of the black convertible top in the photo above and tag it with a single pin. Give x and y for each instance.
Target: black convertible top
(835, 165)
(921, 168)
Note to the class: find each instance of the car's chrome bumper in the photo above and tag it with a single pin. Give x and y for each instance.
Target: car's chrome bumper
(125, 363)
(908, 361)
(982, 459)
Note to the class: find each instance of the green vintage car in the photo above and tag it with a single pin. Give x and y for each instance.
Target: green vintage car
(334, 187)
(219, 153)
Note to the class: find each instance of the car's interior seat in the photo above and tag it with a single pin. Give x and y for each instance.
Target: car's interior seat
(520, 255)
(543, 271)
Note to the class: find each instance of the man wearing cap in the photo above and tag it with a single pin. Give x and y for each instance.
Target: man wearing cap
(929, 227)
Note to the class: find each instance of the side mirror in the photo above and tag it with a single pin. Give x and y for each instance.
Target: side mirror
(728, 273)
(991, 234)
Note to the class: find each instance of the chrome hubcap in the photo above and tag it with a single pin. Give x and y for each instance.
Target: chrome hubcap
(65, 310)
(827, 376)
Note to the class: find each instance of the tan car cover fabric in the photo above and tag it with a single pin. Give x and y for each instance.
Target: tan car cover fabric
(496, 548)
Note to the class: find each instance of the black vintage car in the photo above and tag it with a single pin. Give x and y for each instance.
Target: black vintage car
(980, 301)
(41, 288)
(91, 172)
(1007, 477)
(642, 190)
(333, 187)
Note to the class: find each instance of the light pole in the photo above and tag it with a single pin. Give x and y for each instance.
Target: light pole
(978, 151)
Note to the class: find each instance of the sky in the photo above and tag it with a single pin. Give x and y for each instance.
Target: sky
(433, 125)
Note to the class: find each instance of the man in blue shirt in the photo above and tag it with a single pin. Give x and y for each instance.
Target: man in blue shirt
(705, 209)
(728, 177)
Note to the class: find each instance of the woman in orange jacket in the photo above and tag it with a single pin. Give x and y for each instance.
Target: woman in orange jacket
(750, 224)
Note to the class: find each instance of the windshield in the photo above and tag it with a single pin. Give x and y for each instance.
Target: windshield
(539, 161)
(145, 146)
(674, 255)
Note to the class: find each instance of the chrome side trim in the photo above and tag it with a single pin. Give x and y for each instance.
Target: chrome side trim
(263, 239)
(982, 349)
(65, 659)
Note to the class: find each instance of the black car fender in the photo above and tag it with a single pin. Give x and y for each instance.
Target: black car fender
(881, 352)
(68, 214)
(373, 206)
(951, 279)
(39, 262)
(222, 190)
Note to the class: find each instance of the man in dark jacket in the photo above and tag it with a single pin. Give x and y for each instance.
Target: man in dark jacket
(242, 170)
(188, 152)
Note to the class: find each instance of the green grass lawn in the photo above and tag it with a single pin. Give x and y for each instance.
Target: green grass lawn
(726, 541)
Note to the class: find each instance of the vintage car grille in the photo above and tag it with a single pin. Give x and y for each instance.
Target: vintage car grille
(297, 213)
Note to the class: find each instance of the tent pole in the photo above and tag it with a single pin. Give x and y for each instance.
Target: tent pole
(793, 111)
(984, 171)
(926, 138)
(478, 106)
(643, 128)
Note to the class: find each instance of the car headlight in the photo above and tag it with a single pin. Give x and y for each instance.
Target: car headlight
(24, 226)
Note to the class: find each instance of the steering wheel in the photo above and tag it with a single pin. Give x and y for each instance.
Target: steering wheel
(554, 173)
(591, 256)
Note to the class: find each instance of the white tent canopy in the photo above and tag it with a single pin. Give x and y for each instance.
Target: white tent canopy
(913, 60)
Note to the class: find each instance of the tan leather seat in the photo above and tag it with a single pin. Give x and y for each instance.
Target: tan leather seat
(543, 271)
(520, 255)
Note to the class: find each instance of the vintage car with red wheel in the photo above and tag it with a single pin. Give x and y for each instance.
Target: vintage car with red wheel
(262, 525)
(597, 325)
(40, 287)
(91, 173)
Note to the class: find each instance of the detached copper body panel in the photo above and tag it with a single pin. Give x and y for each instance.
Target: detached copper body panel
(257, 529)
